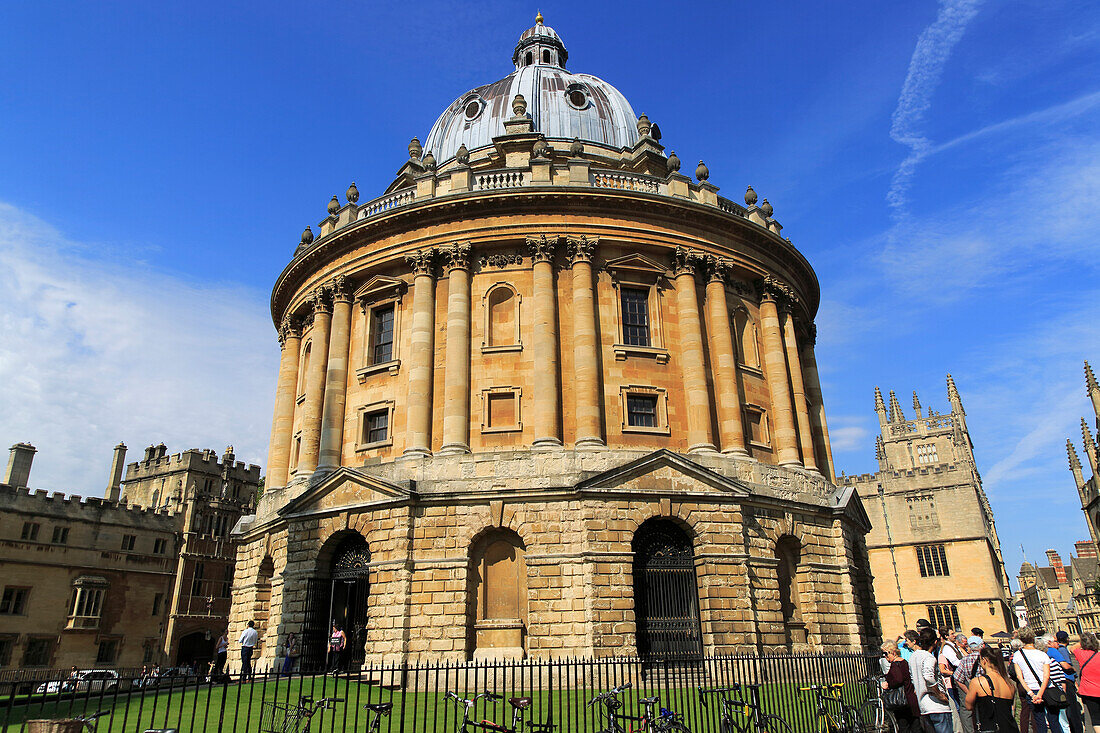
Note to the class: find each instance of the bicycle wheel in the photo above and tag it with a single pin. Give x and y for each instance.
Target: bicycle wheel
(889, 723)
(871, 716)
(726, 725)
(773, 724)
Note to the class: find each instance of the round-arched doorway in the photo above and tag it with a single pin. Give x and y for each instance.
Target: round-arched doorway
(195, 650)
(666, 596)
(338, 596)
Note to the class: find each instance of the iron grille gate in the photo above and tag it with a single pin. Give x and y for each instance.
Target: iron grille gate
(665, 594)
(342, 598)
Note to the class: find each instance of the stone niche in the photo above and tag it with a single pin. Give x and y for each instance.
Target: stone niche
(498, 594)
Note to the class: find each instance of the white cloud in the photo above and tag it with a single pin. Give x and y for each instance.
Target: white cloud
(95, 351)
(925, 69)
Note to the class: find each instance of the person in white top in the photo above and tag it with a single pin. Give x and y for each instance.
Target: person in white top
(949, 657)
(248, 640)
(1033, 672)
(931, 694)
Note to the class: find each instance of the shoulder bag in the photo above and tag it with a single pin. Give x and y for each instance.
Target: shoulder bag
(1053, 696)
(936, 690)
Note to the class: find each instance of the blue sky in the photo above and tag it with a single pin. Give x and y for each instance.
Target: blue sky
(938, 163)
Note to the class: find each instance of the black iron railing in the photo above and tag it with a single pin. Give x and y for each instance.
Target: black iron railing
(559, 691)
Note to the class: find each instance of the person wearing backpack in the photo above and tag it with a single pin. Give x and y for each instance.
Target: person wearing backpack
(931, 694)
(1088, 683)
(1033, 671)
(1059, 655)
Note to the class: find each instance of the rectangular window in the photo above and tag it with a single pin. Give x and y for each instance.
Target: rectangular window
(14, 601)
(86, 608)
(196, 581)
(148, 650)
(227, 584)
(635, 305)
(381, 335)
(376, 426)
(641, 410)
(932, 560)
(108, 652)
(157, 600)
(128, 541)
(159, 546)
(7, 643)
(37, 652)
(945, 615)
(61, 535)
(30, 531)
(756, 427)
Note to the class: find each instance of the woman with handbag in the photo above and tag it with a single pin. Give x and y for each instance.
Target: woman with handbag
(1088, 676)
(990, 695)
(1034, 674)
(931, 693)
(898, 695)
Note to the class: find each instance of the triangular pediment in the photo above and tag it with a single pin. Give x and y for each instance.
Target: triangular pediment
(664, 472)
(381, 286)
(637, 263)
(851, 506)
(346, 488)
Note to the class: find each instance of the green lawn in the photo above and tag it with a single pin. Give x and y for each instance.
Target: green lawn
(238, 708)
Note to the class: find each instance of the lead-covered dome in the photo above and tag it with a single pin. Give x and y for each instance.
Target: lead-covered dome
(562, 105)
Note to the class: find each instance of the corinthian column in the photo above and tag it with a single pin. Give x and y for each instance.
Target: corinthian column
(546, 405)
(784, 440)
(421, 355)
(282, 424)
(691, 352)
(315, 382)
(723, 359)
(456, 385)
(817, 403)
(586, 358)
(802, 415)
(336, 377)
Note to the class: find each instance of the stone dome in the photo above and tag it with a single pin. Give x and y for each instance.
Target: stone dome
(562, 105)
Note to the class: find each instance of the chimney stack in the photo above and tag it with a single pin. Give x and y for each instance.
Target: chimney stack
(1055, 561)
(19, 465)
(1085, 548)
(118, 463)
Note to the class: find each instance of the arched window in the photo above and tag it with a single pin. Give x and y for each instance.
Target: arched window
(528, 59)
(501, 304)
(666, 596)
(748, 352)
(155, 504)
(788, 554)
(497, 597)
(546, 56)
(304, 368)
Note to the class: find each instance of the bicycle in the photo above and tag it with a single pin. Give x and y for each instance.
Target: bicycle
(284, 718)
(91, 721)
(665, 721)
(753, 719)
(826, 697)
(519, 704)
(873, 713)
(380, 710)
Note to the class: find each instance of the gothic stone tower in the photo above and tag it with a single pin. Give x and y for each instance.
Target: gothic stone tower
(933, 547)
(1088, 490)
(543, 388)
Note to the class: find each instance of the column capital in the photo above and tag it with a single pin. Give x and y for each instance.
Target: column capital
(686, 261)
(456, 257)
(289, 328)
(543, 247)
(340, 288)
(717, 268)
(774, 289)
(321, 299)
(582, 248)
(811, 334)
(422, 262)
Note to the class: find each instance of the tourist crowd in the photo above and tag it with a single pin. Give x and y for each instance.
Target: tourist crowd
(949, 682)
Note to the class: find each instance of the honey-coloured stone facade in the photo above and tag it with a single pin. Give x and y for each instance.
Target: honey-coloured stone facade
(551, 366)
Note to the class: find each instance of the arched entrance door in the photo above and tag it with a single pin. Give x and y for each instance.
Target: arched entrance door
(195, 650)
(666, 598)
(339, 596)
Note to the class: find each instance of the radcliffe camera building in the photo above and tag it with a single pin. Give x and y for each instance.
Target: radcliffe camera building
(933, 545)
(550, 396)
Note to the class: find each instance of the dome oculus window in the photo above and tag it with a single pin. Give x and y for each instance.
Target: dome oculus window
(471, 108)
(577, 96)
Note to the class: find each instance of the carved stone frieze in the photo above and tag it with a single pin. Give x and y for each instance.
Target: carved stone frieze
(500, 260)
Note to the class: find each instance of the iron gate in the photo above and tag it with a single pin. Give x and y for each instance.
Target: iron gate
(666, 598)
(341, 598)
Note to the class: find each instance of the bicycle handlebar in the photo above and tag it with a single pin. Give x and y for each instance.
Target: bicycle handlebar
(610, 693)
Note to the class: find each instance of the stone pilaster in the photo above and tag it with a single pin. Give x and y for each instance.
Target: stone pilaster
(456, 386)
(802, 414)
(336, 377)
(817, 403)
(546, 404)
(282, 424)
(723, 359)
(419, 432)
(315, 382)
(586, 357)
(784, 440)
(692, 364)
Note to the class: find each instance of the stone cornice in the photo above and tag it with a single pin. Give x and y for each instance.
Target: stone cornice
(750, 246)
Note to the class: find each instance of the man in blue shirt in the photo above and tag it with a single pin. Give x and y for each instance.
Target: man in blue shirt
(907, 642)
(1059, 655)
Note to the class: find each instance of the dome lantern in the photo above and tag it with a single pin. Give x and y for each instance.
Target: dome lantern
(539, 45)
